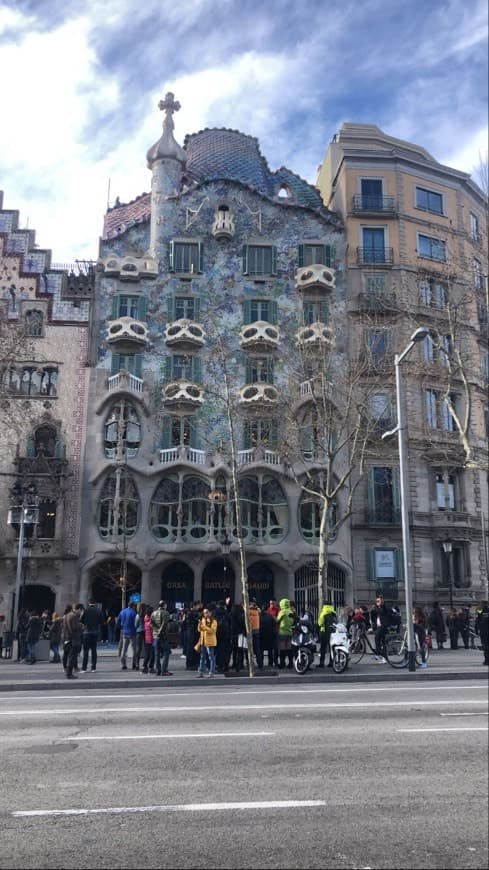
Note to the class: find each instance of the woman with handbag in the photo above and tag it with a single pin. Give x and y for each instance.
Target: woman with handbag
(208, 642)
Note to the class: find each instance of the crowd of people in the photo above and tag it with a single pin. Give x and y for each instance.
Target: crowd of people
(214, 638)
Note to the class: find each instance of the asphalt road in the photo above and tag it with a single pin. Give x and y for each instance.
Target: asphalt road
(359, 776)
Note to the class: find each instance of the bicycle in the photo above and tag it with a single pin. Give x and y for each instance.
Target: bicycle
(396, 651)
(360, 642)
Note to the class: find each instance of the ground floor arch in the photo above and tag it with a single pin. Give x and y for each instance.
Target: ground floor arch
(38, 597)
(107, 586)
(218, 581)
(261, 582)
(177, 586)
(306, 592)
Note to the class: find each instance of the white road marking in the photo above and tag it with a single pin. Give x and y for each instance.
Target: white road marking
(208, 735)
(303, 689)
(453, 728)
(175, 808)
(464, 714)
(236, 707)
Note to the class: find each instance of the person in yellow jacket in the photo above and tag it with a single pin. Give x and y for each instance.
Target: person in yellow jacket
(327, 618)
(208, 643)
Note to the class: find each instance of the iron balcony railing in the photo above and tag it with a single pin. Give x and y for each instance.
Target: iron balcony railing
(379, 256)
(384, 204)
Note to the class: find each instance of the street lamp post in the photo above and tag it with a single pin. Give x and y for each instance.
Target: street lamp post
(24, 511)
(419, 335)
(447, 549)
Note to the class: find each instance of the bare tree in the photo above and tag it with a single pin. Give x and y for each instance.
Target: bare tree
(330, 423)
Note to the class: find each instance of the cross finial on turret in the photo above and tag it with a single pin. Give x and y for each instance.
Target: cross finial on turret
(169, 105)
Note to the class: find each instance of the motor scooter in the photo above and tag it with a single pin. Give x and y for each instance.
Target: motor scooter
(339, 644)
(304, 643)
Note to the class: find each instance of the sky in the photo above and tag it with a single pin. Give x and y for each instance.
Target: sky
(81, 82)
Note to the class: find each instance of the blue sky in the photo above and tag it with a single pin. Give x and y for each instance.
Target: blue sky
(81, 81)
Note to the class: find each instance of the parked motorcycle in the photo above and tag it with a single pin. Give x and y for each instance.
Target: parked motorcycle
(304, 641)
(339, 643)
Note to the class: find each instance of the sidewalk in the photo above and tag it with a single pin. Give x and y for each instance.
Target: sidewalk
(443, 664)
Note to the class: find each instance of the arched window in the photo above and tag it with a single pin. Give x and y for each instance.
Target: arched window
(45, 441)
(163, 513)
(195, 508)
(46, 527)
(119, 506)
(310, 512)
(264, 510)
(34, 321)
(122, 433)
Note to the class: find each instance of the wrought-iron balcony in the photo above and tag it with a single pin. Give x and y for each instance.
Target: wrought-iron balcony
(375, 256)
(259, 336)
(384, 515)
(378, 302)
(184, 332)
(374, 204)
(127, 335)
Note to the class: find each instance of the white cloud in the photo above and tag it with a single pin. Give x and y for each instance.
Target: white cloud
(82, 96)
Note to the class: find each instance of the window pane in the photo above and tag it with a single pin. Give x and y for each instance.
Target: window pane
(259, 260)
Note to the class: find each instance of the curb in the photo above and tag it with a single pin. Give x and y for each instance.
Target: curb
(305, 679)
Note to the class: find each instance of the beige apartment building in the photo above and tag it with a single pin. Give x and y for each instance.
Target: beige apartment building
(416, 257)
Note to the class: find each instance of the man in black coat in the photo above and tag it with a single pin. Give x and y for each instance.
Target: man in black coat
(482, 629)
(34, 629)
(381, 619)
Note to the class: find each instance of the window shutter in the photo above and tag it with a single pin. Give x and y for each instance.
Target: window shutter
(115, 307)
(396, 492)
(274, 433)
(170, 302)
(245, 259)
(269, 369)
(172, 256)
(166, 433)
(371, 495)
(30, 446)
(197, 308)
(273, 311)
(58, 449)
(201, 257)
(323, 312)
(274, 260)
(168, 368)
(371, 565)
(142, 307)
(196, 369)
(249, 373)
(301, 256)
(399, 564)
(115, 363)
(194, 434)
(138, 365)
(246, 311)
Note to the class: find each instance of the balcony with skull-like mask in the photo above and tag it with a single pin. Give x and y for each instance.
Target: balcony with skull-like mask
(127, 335)
(260, 336)
(185, 334)
(315, 277)
(315, 335)
(259, 394)
(182, 394)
